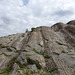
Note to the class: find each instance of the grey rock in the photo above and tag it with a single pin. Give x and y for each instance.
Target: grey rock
(33, 67)
(69, 59)
(37, 59)
(6, 60)
(22, 59)
(15, 68)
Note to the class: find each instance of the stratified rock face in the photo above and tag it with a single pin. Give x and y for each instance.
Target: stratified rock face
(41, 51)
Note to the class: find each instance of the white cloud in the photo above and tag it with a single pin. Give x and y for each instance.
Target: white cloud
(17, 15)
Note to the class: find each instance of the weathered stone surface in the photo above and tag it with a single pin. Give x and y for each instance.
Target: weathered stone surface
(37, 59)
(69, 59)
(33, 67)
(22, 59)
(6, 60)
(46, 49)
(15, 68)
(58, 26)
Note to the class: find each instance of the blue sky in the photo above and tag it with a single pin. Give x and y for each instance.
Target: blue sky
(25, 2)
(18, 15)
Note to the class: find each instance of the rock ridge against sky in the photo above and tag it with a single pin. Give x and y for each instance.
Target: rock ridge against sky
(18, 15)
(42, 51)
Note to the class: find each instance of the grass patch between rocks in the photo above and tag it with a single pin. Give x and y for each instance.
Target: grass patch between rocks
(53, 69)
(9, 68)
(36, 51)
(47, 57)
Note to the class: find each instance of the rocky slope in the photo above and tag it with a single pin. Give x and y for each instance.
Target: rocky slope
(41, 51)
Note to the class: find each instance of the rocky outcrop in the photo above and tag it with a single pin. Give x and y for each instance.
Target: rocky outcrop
(41, 51)
(71, 22)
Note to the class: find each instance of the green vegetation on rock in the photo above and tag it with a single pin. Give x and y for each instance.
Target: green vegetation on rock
(35, 51)
(53, 69)
(0, 46)
(9, 68)
(5, 54)
(47, 57)
(27, 55)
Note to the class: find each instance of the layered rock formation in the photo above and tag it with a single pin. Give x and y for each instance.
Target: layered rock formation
(41, 51)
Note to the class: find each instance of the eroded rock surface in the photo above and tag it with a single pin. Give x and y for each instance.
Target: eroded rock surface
(41, 51)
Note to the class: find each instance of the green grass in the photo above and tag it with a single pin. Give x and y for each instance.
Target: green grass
(9, 68)
(39, 72)
(21, 66)
(53, 69)
(19, 72)
(47, 57)
(72, 57)
(5, 54)
(35, 51)
(27, 55)
(31, 72)
(46, 73)
(38, 65)
(0, 46)
(6, 71)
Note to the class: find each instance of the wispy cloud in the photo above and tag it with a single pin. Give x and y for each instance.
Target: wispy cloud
(62, 13)
(17, 15)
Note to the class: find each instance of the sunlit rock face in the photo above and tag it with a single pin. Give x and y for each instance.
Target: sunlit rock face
(43, 50)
